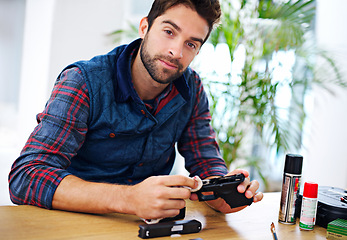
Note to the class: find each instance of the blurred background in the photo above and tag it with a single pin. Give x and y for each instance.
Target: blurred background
(275, 72)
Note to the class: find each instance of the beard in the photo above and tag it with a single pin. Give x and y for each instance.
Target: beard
(162, 76)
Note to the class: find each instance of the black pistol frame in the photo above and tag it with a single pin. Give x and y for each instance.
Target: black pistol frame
(226, 188)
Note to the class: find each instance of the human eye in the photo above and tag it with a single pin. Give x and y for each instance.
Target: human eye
(168, 32)
(191, 45)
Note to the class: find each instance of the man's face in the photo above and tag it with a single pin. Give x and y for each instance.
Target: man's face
(172, 42)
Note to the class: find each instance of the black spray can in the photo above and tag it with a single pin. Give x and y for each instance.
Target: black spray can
(290, 188)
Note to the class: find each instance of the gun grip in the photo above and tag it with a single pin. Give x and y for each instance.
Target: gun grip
(235, 199)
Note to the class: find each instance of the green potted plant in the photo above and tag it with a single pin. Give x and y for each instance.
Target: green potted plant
(246, 115)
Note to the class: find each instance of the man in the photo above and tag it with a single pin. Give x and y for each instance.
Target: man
(106, 139)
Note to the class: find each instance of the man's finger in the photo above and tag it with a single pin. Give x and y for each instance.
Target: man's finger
(177, 181)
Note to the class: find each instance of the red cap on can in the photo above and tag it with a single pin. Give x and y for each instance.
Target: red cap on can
(310, 190)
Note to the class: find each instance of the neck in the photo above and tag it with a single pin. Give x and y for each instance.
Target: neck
(145, 86)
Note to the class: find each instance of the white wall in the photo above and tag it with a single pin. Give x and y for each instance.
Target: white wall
(58, 33)
(326, 160)
(81, 29)
(39, 16)
(11, 32)
(11, 38)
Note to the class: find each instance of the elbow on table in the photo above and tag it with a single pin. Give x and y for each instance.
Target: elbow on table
(19, 187)
(16, 189)
(22, 189)
(34, 186)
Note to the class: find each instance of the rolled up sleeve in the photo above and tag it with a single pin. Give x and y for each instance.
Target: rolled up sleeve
(198, 144)
(60, 132)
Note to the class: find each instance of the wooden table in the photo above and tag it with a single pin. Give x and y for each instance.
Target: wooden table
(29, 222)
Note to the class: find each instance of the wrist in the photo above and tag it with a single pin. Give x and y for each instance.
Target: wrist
(121, 199)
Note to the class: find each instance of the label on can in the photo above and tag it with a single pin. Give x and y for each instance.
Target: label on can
(308, 213)
(290, 190)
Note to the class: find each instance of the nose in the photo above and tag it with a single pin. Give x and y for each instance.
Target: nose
(176, 49)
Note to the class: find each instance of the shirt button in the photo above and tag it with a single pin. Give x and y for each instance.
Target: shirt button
(140, 165)
(143, 112)
(112, 135)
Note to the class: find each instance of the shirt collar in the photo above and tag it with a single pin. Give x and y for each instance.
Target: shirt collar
(125, 88)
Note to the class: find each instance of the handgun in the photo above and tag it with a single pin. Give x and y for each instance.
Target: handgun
(225, 188)
(169, 228)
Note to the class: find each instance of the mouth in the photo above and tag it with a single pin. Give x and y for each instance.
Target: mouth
(168, 64)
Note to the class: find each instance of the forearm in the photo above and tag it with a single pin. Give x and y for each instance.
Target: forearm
(75, 194)
(155, 197)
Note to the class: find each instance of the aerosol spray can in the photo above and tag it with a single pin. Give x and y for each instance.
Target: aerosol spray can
(290, 188)
(309, 206)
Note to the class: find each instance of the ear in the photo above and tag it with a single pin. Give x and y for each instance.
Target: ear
(143, 27)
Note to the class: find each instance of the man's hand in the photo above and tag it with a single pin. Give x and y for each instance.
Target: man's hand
(155, 197)
(160, 196)
(247, 187)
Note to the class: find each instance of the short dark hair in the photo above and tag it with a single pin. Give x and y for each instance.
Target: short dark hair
(208, 9)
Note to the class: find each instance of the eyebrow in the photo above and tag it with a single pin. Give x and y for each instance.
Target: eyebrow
(175, 26)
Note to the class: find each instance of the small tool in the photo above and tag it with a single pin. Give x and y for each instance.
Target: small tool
(273, 230)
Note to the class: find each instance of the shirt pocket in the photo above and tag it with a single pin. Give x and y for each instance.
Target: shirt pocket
(111, 149)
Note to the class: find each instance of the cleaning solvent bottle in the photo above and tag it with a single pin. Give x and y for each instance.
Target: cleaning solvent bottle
(309, 206)
(290, 188)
